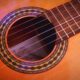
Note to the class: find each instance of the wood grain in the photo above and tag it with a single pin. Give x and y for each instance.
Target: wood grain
(67, 69)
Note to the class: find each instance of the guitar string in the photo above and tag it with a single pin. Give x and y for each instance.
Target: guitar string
(27, 27)
(41, 27)
(41, 47)
(28, 21)
(33, 24)
(17, 26)
(47, 36)
(3, 66)
(69, 33)
(29, 32)
(44, 32)
(48, 43)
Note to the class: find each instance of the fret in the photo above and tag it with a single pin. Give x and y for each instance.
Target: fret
(47, 16)
(52, 18)
(76, 12)
(64, 32)
(58, 16)
(68, 9)
(77, 20)
(59, 36)
(66, 22)
(64, 12)
(55, 17)
(55, 22)
(76, 4)
(73, 25)
(77, 30)
(67, 29)
(61, 33)
(74, 8)
(72, 21)
(78, 24)
(66, 19)
(58, 27)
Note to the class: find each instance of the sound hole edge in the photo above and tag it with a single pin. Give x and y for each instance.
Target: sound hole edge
(18, 40)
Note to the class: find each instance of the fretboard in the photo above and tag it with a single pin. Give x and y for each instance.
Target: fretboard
(66, 19)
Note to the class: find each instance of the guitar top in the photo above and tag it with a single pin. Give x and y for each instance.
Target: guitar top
(40, 40)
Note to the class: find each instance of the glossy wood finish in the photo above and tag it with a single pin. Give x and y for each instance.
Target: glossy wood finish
(67, 69)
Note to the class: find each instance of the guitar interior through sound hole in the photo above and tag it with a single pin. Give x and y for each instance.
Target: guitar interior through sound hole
(29, 39)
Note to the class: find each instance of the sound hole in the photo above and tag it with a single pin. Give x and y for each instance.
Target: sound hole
(29, 39)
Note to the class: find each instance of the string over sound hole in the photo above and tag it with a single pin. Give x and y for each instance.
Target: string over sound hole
(28, 38)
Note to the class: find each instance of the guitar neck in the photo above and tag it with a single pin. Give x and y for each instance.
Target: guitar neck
(66, 19)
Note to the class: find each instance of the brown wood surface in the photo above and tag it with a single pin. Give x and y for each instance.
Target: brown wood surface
(67, 69)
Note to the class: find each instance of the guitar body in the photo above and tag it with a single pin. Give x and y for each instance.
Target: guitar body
(67, 69)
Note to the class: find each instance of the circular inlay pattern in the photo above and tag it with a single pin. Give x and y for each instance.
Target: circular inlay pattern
(26, 65)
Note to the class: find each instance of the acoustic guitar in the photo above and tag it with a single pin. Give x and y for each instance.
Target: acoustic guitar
(39, 40)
